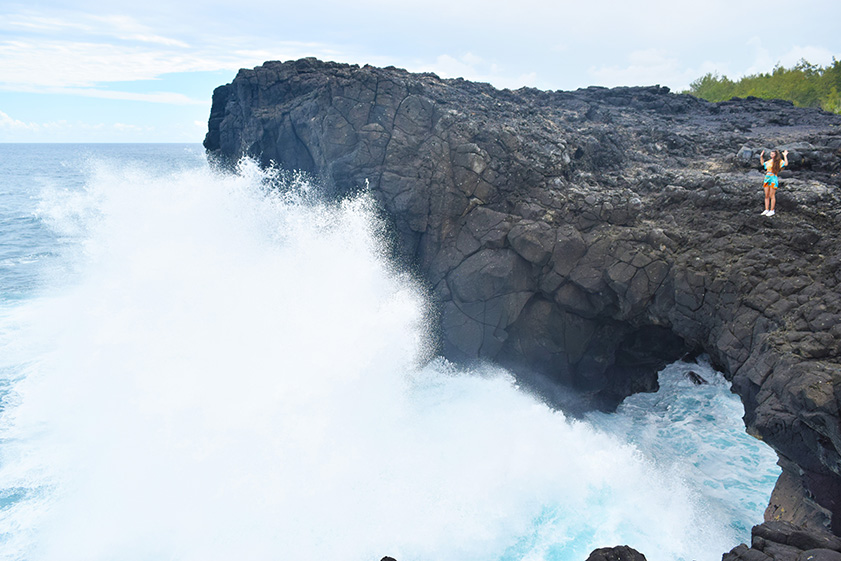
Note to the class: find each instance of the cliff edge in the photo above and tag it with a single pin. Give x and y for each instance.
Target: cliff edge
(586, 238)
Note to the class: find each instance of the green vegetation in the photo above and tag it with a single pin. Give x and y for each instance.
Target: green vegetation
(805, 84)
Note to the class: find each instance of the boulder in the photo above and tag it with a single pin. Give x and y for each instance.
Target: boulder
(782, 541)
(618, 553)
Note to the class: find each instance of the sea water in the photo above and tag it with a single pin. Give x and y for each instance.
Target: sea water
(203, 366)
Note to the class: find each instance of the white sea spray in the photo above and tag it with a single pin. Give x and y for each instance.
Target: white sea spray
(220, 371)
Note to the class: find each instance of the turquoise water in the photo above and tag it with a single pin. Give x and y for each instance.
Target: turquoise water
(195, 368)
(696, 432)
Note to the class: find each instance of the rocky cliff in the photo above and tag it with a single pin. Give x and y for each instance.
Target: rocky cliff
(585, 238)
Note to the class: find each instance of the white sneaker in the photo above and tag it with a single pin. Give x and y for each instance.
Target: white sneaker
(765, 212)
(771, 213)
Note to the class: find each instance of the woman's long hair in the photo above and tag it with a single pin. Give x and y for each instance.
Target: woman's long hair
(775, 162)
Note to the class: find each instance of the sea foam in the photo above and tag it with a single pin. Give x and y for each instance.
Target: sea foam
(218, 370)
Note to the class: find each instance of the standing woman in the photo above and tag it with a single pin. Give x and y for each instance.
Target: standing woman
(772, 180)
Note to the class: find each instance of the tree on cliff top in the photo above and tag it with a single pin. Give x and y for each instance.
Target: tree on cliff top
(805, 84)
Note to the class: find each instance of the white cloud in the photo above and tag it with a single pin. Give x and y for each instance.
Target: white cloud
(83, 50)
(38, 23)
(472, 67)
(448, 66)
(28, 64)
(815, 55)
(114, 26)
(157, 39)
(117, 24)
(8, 123)
(78, 64)
(171, 98)
(62, 130)
(129, 29)
(123, 127)
(654, 66)
(763, 61)
(645, 67)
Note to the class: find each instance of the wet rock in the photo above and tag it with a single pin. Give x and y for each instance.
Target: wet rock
(696, 378)
(744, 553)
(782, 541)
(618, 553)
(819, 555)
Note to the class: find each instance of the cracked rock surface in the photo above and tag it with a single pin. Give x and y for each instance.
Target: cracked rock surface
(782, 541)
(584, 239)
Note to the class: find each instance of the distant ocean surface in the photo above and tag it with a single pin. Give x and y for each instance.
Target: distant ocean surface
(202, 366)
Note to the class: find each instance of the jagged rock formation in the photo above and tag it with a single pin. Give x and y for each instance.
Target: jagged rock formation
(781, 541)
(585, 238)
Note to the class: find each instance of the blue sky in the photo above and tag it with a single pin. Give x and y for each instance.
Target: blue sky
(144, 71)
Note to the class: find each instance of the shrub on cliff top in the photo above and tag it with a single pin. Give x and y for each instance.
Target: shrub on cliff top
(805, 84)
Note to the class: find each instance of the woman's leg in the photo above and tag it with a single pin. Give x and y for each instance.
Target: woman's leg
(773, 197)
(768, 190)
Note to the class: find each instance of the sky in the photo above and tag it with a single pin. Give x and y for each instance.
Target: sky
(145, 70)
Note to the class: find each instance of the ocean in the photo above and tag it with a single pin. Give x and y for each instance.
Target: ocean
(198, 366)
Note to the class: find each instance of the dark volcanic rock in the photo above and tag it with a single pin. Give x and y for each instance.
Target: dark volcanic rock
(696, 378)
(586, 238)
(781, 541)
(618, 553)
